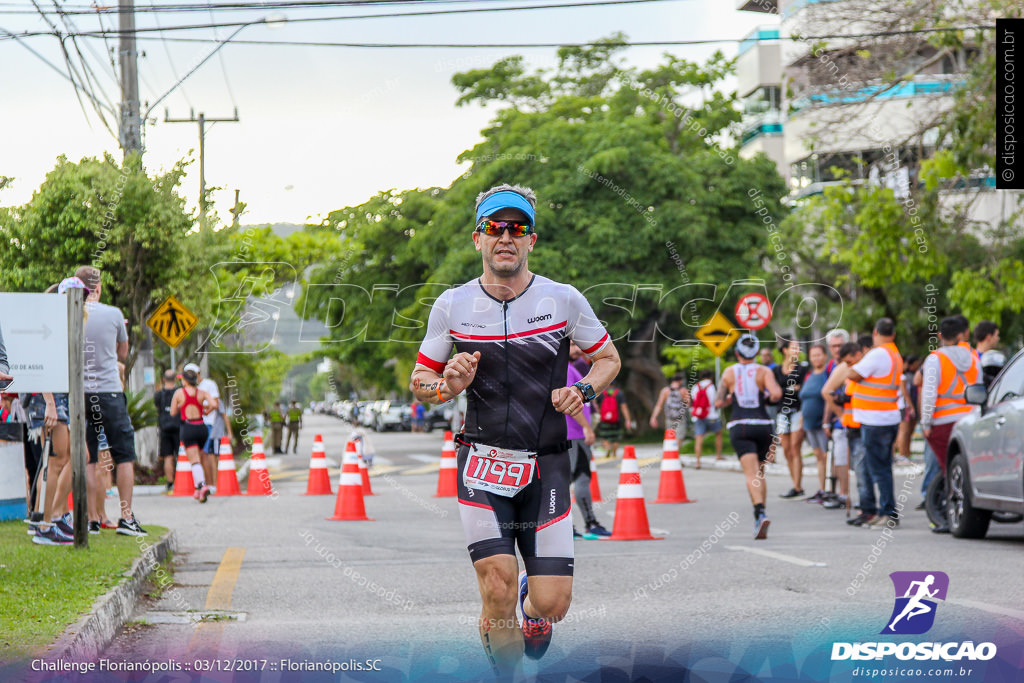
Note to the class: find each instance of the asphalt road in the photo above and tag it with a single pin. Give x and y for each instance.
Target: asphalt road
(270, 578)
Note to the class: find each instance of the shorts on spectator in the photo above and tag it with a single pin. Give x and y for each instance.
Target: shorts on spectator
(106, 419)
(816, 438)
(704, 425)
(787, 423)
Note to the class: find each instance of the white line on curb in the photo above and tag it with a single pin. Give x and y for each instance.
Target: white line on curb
(800, 562)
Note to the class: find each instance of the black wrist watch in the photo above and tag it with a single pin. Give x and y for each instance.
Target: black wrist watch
(586, 390)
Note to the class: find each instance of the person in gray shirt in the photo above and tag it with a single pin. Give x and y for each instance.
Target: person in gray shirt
(106, 342)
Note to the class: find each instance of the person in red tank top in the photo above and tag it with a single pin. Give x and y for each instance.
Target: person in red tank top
(188, 403)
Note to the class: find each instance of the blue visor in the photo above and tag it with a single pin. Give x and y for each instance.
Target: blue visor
(506, 199)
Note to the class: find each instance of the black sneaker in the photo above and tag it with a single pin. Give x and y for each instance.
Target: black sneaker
(818, 497)
(94, 526)
(834, 503)
(576, 534)
(132, 528)
(50, 537)
(940, 529)
(920, 506)
(793, 493)
(861, 519)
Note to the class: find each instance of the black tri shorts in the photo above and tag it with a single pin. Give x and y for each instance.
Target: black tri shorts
(752, 438)
(536, 519)
(194, 435)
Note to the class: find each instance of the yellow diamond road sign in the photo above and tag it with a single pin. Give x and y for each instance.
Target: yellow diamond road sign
(718, 334)
(171, 321)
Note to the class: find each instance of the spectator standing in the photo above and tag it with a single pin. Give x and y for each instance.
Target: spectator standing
(294, 425)
(788, 424)
(276, 419)
(986, 337)
(875, 407)
(614, 419)
(911, 364)
(106, 341)
(168, 425)
(706, 417)
(812, 413)
(847, 448)
(835, 340)
(673, 399)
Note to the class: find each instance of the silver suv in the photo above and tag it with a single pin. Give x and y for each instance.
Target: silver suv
(986, 456)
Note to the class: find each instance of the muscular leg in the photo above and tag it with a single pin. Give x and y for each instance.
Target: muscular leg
(796, 442)
(718, 445)
(499, 630)
(698, 446)
(169, 466)
(754, 473)
(548, 597)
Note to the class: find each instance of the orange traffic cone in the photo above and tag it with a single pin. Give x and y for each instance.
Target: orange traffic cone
(349, 504)
(671, 487)
(259, 478)
(227, 478)
(184, 485)
(319, 483)
(448, 479)
(364, 474)
(630, 512)
(595, 488)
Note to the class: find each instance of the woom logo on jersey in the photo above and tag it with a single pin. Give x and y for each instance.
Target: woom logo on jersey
(539, 318)
(913, 613)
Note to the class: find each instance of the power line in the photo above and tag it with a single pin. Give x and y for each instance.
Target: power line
(626, 43)
(248, 7)
(299, 20)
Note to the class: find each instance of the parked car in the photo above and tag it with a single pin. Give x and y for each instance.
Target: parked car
(392, 416)
(985, 460)
(438, 417)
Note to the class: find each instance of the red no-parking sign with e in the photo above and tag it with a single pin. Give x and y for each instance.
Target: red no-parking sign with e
(753, 311)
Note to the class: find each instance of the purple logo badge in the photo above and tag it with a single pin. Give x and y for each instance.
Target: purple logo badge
(917, 594)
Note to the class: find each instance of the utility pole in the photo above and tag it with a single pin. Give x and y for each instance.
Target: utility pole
(202, 121)
(130, 128)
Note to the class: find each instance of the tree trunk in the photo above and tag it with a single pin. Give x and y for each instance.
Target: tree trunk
(641, 376)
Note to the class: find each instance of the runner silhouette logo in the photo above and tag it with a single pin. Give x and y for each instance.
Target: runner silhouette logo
(917, 595)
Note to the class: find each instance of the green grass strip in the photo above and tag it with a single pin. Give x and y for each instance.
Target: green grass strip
(44, 588)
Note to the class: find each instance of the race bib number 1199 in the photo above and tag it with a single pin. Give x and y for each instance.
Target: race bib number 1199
(499, 471)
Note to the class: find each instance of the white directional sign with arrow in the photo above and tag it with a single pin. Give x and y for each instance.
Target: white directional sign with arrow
(35, 331)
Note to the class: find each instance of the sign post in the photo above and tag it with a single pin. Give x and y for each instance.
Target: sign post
(76, 412)
(172, 322)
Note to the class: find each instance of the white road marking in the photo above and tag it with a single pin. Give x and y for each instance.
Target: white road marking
(798, 561)
(994, 609)
(420, 457)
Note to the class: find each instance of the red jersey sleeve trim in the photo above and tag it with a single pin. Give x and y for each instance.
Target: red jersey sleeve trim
(596, 346)
(429, 362)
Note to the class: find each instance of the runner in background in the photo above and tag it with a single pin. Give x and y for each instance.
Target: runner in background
(745, 386)
(706, 417)
(614, 419)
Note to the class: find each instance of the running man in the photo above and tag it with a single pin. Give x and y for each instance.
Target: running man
(512, 330)
(914, 606)
(750, 427)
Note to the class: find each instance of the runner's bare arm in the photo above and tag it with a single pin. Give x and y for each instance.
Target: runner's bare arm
(459, 373)
(605, 367)
(657, 407)
(770, 385)
(723, 396)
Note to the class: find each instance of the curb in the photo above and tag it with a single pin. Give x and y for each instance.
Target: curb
(89, 636)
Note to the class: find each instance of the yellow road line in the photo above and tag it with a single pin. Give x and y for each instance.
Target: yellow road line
(432, 467)
(224, 580)
(208, 634)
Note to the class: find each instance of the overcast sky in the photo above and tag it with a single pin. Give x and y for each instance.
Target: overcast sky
(321, 127)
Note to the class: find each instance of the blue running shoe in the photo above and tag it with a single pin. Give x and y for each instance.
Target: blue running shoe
(536, 632)
(761, 527)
